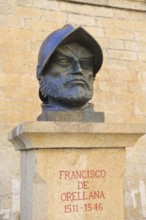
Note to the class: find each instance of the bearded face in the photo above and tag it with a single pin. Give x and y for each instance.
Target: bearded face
(68, 78)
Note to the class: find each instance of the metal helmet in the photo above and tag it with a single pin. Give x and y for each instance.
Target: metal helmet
(67, 34)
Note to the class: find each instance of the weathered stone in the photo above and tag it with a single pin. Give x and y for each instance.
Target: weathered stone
(82, 178)
(16, 105)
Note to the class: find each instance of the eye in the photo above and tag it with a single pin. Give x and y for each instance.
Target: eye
(86, 63)
(64, 62)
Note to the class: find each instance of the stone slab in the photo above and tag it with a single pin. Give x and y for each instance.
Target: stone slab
(35, 135)
(69, 184)
(138, 5)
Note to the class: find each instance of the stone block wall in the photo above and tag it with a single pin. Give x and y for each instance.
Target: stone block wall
(119, 89)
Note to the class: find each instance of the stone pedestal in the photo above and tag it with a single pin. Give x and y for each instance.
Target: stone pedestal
(73, 171)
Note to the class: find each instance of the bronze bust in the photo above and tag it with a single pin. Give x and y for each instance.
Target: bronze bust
(68, 61)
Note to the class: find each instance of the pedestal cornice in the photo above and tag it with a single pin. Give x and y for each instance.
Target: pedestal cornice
(36, 135)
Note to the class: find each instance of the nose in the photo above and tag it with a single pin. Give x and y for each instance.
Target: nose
(77, 69)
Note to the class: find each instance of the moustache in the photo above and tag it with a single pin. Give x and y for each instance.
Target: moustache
(76, 80)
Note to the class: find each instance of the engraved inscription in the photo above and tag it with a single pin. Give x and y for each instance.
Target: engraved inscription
(86, 197)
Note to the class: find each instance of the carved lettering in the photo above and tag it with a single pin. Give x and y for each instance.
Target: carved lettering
(83, 191)
(82, 174)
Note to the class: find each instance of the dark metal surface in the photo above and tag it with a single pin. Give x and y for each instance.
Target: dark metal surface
(68, 79)
(68, 61)
(64, 35)
(72, 116)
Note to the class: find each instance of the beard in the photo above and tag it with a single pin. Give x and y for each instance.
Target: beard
(73, 96)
